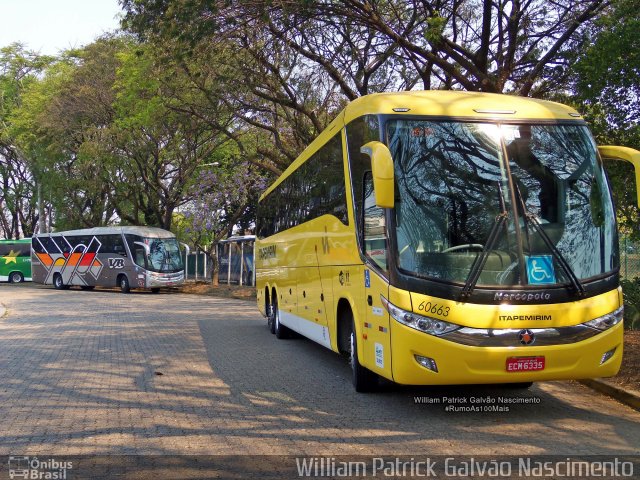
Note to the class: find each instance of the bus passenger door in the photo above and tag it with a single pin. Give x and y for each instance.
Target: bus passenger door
(376, 332)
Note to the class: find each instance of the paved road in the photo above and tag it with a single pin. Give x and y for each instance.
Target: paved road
(105, 373)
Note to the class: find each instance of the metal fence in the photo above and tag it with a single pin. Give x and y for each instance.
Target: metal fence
(198, 266)
(629, 258)
(235, 262)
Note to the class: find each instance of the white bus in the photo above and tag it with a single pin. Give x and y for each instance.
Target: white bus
(125, 257)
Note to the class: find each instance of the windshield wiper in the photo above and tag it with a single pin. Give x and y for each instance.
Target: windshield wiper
(481, 260)
(531, 218)
(575, 281)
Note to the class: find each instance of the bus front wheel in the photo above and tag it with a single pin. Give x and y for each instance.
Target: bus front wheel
(16, 277)
(271, 317)
(280, 330)
(123, 282)
(364, 380)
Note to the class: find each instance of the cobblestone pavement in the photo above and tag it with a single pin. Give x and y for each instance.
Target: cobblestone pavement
(105, 373)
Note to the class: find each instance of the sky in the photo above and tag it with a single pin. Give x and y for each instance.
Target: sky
(49, 26)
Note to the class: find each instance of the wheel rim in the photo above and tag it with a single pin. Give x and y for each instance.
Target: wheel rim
(15, 278)
(352, 353)
(123, 283)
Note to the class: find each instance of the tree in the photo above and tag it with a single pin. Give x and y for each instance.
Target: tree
(607, 82)
(287, 67)
(106, 141)
(19, 68)
(224, 196)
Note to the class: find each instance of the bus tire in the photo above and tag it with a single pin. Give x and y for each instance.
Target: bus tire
(271, 316)
(364, 380)
(58, 284)
(123, 283)
(16, 277)
(281, 331)
(518, 385)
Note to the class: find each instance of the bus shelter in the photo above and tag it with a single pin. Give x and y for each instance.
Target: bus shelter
(235, 257)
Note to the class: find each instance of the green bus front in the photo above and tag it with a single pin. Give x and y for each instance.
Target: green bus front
(15, 260)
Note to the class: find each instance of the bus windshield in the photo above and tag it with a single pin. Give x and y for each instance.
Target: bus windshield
(164, 253)
(520, 204)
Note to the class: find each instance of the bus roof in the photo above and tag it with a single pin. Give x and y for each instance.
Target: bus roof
(151, 232)
(437, 103)
(458, 104)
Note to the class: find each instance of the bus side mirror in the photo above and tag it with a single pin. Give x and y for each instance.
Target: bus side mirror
(382, 170)
(611, 152)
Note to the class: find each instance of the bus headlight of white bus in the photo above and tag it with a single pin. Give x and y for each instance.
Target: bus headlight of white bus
(607, 321)
(432, 326)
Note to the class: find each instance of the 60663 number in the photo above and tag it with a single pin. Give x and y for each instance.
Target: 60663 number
(434, 308)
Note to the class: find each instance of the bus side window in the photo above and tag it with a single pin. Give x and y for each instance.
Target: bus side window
(118, 246)
(138, 253)
(375, 234)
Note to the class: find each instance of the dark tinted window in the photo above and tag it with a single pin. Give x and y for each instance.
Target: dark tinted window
(112, 244)
(44, 244)
(62, 243)
(359, 132)
(316, 188)
(22, 249)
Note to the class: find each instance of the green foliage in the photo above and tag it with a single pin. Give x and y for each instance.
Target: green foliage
(631, 290)
(607, 82)
(609, 68)
(19, 71)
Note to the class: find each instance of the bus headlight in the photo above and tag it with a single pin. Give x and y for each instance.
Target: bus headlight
(607, 321)
(432, 326)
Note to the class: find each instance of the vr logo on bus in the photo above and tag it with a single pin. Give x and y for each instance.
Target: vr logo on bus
(116, 263)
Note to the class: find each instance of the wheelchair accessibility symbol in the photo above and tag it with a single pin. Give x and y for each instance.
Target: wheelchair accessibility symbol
(540, 270)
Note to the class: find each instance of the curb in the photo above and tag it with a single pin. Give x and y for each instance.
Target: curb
(624, 395)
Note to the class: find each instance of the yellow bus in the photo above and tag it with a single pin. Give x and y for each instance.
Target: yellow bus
(445, 237)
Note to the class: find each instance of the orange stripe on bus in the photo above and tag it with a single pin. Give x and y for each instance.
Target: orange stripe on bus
(45, 258)
(74, 258)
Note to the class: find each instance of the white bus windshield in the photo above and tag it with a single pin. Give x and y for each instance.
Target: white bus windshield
(164, 254)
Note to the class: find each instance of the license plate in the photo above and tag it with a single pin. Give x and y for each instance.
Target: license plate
(525, 364)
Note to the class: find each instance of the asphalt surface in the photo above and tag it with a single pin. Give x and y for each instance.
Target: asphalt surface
(106, 373)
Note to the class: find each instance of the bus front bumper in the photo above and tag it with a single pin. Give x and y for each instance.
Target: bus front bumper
(462, 364)
(164, 280)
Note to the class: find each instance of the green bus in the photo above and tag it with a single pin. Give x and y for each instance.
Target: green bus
(15, 260)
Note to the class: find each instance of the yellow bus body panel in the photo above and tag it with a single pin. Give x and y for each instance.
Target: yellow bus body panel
(517, 316)
(462, 364)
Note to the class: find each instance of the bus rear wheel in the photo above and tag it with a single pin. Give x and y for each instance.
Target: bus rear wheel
(123, 282)
(16, 277)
